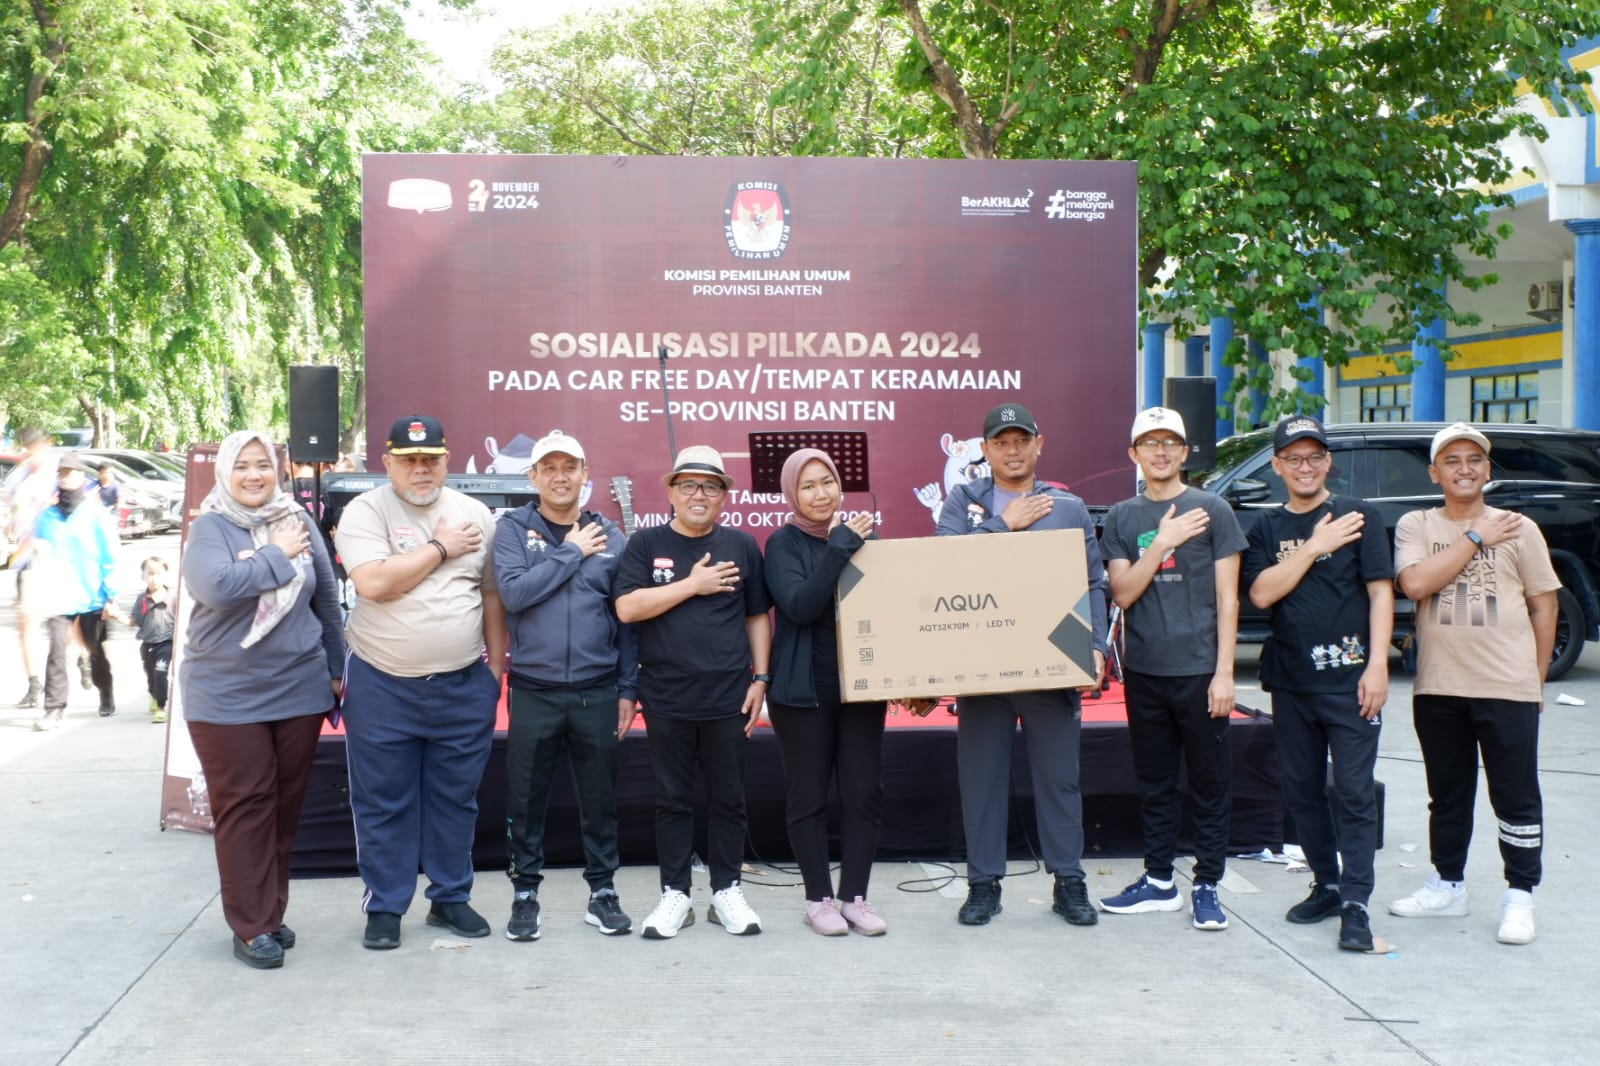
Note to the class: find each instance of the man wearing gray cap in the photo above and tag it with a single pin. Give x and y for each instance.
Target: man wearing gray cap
(1013, 500)
(574, 679)
(695, 589)
(419, 697)
(1485, 626)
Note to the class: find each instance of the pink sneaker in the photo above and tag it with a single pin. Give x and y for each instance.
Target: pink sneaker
(823, 917)
(862, 918)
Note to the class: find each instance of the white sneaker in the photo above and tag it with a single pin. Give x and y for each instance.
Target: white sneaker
(1433, 900)
(671, 914)
(729, 910)
(1516, 918)
(49, 720)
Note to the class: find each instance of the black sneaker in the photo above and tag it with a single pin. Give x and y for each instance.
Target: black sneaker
(1355, 928)
(383, 931)
(107, 708)
(263, 953)
(524, 923)
(1072, 902)
(983, 903)
(30, 698)
(1323, 902)
(459, 918)
(605, 913)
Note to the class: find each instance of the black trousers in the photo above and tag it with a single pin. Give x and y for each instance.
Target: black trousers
(92, 630)
(716, 748)
(1453, 731)
(157, 659)
(544, 723)
(1309, 729)
(1169, 723)
(818, 744)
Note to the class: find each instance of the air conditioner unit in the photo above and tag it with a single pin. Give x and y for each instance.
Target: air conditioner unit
(1545, 296)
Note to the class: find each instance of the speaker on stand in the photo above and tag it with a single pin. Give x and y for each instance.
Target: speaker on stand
(314, 414)
(1195, 400)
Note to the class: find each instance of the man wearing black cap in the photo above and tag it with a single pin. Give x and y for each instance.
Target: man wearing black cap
(1321, 563)
(419, 699)
(695, 589)
(1013, 500)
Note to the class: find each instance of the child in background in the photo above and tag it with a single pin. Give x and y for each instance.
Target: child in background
(152, 613)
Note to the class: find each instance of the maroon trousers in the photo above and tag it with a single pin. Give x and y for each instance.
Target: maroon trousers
(257, 777)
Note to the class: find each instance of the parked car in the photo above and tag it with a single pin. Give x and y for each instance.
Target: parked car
(164, 494)
(1548, 473)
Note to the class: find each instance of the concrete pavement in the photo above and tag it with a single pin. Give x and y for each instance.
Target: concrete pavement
(116, 952)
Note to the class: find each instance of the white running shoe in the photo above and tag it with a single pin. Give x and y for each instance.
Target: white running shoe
(1516, 917)
(729, 910)
(1433, 900)
(671, 914)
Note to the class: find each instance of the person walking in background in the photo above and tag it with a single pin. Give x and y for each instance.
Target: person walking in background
(1321, 563)
(695, 589)
(420, 699)
(1172, 553)
(153, 618)
(1486, 624)
(263, 655)
(821, 738)
(1014, 500)
(574, 679)
(75, 563)
(30, 488)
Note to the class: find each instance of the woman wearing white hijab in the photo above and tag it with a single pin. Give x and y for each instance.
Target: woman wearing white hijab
(261, 666)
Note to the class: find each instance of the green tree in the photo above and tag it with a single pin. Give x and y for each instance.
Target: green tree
(683, 77)
(1309, 153)
(180, 187)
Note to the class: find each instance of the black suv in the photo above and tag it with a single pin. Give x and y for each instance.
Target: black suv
(1548, 473)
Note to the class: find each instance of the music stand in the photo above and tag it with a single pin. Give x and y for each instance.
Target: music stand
(847, 449)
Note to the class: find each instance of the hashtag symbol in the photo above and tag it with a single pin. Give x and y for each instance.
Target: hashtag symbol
(1056, 206)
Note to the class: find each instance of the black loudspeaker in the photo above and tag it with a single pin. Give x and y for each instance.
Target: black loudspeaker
(1195, 399)
(314, 414)
(847, 448)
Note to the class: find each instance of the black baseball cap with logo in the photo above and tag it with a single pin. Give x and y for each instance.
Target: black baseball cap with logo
(416, 435)
(1009, 416)
(1297, 427)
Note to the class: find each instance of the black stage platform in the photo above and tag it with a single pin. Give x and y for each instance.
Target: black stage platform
(922, 811)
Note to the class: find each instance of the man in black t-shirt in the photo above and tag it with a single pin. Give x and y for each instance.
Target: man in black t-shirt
(696, 591)
(1322, 564)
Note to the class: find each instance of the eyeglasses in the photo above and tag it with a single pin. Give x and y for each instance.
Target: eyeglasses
(709, 489)
(1161, 445)
(1304, 462)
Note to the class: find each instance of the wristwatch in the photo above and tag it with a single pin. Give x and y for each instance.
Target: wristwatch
(1472, 535)
(765, 679)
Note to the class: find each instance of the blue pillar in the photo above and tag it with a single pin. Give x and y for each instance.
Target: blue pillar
(1317, 386)
(1427, 374)
(1258, 395)
(1586, 324)
(1221, 337)
(1194, 356)
(1155, 362)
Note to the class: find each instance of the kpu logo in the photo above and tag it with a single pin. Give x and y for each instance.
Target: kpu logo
(755, 221)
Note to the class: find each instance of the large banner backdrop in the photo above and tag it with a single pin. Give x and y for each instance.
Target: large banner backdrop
(512, 295)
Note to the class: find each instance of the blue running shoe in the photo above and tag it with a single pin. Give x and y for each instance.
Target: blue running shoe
(1142, 897)
(1208, 912)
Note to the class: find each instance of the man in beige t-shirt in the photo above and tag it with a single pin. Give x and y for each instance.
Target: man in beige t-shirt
(419, 698)
(1485, 626)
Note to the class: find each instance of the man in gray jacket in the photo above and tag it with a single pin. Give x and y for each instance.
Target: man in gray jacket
(573, 678)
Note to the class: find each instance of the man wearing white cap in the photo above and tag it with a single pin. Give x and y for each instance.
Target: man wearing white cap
(696, 591)
(574, 670)
(1485, 625)
(1172, 554)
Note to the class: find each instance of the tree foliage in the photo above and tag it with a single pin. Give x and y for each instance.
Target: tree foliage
(180, 186)
(1319, 169)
